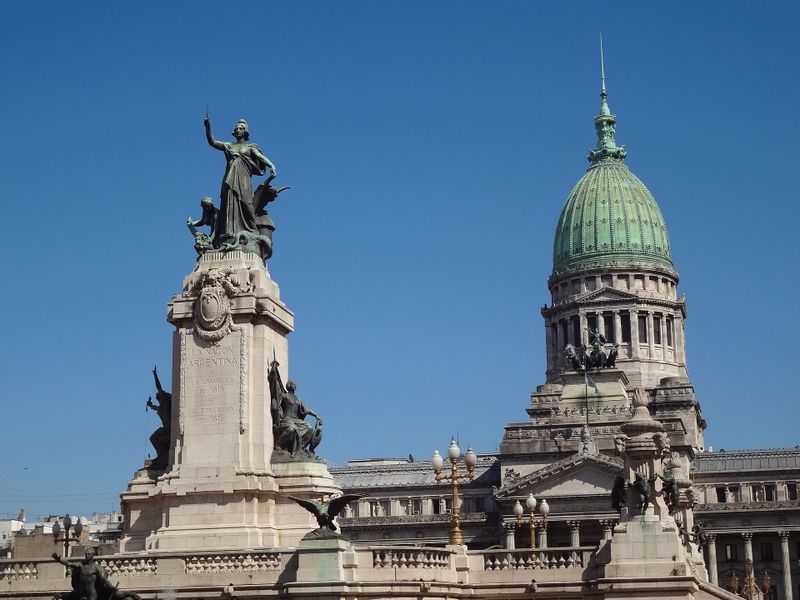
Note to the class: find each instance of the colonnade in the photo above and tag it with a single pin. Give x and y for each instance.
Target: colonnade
(747, 536)
(510, 529)
(663, 330)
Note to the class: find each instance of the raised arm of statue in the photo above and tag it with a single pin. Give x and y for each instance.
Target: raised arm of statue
(209, 137)
(55, 556)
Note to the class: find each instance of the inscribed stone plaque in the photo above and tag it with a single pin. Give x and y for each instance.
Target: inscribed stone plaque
(211, 397)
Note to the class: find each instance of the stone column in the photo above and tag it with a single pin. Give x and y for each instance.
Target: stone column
(634, 334)
(617, 327)
(582, 324)
(427, 506)
(510, 529)
(574, 533)
(600, 324)
(541, 535)
(608, 528)
(651, 343)
(787, 565)
(712, 558)
(748, 545)
(550, 344)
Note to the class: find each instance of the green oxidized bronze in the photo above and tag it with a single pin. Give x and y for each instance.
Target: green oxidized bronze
(610, 219)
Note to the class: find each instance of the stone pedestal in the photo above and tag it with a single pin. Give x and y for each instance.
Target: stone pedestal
(221, 489)
(326, 559)
(647, 542)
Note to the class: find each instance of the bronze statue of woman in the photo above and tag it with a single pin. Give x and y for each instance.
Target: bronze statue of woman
(237, 210)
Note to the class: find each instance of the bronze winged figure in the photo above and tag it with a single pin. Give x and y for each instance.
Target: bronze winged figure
(326, 512)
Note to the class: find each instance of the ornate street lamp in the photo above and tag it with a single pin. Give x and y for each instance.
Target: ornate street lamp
(470, 460)
(67, 538)
(530, 502)
(749, 588)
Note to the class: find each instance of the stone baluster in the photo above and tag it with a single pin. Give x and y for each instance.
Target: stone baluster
(748, 545)
(787, 565)
(712, 558)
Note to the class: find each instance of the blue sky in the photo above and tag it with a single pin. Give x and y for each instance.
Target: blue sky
(430, 147)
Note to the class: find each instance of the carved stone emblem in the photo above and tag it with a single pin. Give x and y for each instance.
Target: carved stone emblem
(212, 308)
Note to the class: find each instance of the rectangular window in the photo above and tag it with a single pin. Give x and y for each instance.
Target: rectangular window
(730, 553)
(416, 506)
(791, 491)
(770, 492)
(642, 329)
(608, 324)
(437, 506)
(766, 551)
(625, 321)
(720, 494)
(591, 321)
(576, 331)
(563, 339)
(670, 332)
(480, 504)
(657, 329)
(733, 493)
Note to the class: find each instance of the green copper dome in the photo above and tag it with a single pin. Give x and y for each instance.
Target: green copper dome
(610, 218)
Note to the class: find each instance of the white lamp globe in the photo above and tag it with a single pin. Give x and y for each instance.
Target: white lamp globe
(544, 507)
(436, 461)
(453, 451)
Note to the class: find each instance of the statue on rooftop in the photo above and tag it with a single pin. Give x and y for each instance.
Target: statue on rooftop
(161, 436)
(292, 434)
(241, 221)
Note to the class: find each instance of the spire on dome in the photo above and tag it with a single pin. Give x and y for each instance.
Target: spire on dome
(605, 123)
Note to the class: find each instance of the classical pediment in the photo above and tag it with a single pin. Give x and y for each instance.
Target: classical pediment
(606, 294)
(576, 475)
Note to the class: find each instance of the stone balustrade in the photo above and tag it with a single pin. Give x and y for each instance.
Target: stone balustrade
(128, 566)
(549, 558)
(398, 572)
(232, 563)
(410, 557)
(16, 570)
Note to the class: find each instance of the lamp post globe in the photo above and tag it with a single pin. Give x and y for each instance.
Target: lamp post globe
(544, 508)
(453, 451)
(470, 458)
(437, 461)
